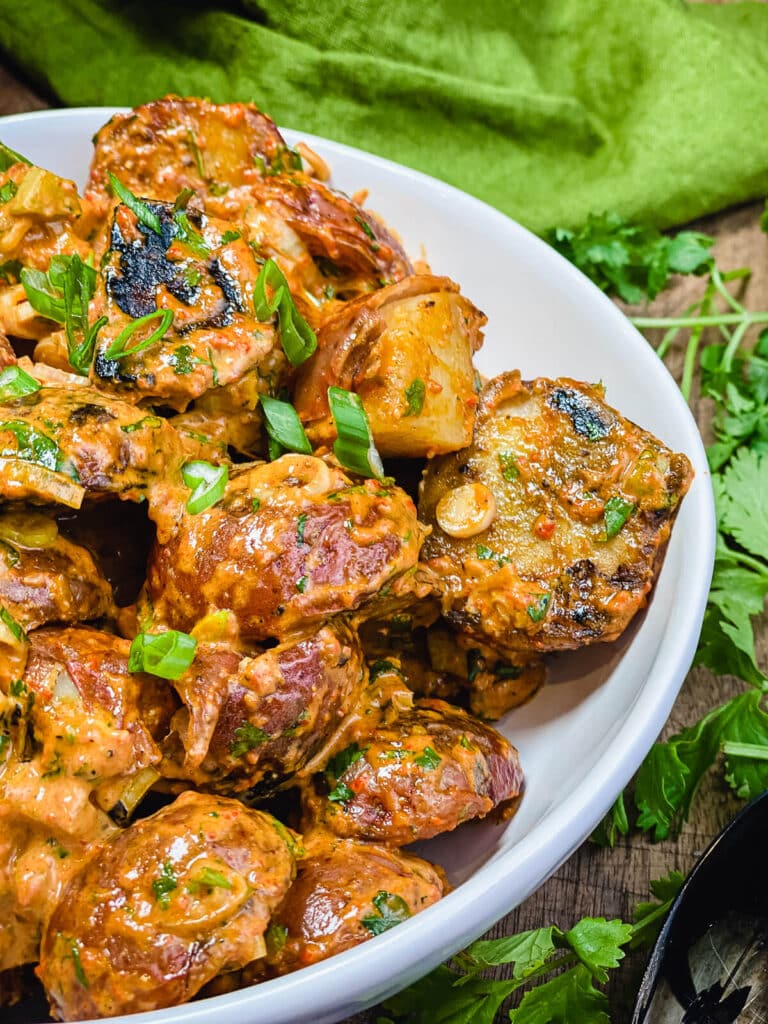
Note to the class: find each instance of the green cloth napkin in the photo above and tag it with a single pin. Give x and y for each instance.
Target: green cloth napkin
(548, 109)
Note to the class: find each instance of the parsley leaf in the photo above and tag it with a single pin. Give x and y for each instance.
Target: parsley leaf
(247, 737)
(390, 910)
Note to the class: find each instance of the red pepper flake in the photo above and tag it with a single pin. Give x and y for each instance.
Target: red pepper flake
(544, 527)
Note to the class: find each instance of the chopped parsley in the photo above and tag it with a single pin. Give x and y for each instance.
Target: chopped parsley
(164, 885)
(390, 910)
(247, 737)
(428, 759)
(414, 397)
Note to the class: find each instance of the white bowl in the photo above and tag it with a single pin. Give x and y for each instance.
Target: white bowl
(584, 735)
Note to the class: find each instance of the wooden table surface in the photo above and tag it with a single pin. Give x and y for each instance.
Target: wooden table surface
(599, 882)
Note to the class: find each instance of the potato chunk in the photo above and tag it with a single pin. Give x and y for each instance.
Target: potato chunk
(407, 351)
(182, 895)
(585, 502)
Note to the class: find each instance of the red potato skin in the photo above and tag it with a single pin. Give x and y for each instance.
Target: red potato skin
(326, 907)
(275, 578)
(331, 225)
(151, 148)
(434, 768)
(288, 699)
(145, 943)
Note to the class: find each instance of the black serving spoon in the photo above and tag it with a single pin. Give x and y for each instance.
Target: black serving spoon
(710, 961)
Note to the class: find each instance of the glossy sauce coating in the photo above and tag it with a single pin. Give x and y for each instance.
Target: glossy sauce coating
(407, 351)
(202, 272)
(74, 730)
(174, 143)
(62, 443)
(434, 768)
(345, 893)
(182, 895)
(253, 722)
(44, 577)
(290, 543)
(585, 502)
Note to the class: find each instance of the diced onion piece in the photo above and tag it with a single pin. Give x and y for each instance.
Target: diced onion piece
(65, 689)
(40, 482)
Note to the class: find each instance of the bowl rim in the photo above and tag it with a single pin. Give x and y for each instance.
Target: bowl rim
(371, 972)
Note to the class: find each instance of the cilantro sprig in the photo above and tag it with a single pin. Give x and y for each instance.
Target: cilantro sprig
(635, 263)
(560, 969)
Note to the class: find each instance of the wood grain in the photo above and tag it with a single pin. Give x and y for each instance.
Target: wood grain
(610, 882)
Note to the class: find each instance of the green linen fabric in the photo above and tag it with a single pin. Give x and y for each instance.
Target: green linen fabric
(547, 109)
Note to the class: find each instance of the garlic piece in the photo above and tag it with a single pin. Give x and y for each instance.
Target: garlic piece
(466, 511)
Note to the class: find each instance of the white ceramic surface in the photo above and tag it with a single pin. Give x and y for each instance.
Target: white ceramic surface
(584, 735)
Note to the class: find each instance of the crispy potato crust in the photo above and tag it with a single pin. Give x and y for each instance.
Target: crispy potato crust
(585, 502)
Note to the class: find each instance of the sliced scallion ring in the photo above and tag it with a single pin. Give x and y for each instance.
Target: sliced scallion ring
(119, 348)
(296, 336)
(284, 426)
(9, 157)
(142, 212)
(207, 483)
(354, 447)
(15, 383)
(167, 655)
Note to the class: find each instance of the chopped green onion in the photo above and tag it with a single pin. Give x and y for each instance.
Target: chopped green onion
(78, 963)
(196, 153)
(141, 211)
(189, 236)
(616, 513)
(163, 886)
(32, 445)
(182, 199)
(119, 348)
(340, 793)
(296, 336)
(42, 296)
(284, 426)
(207, 484)
(9, 157)
(10, 271)
(16, 630)
(167, 655)
(209, 878)
(509, 468)
(414, 397)
(146, 421)
(15, 383)
(354, 447)
(63, 294)
(428, 759)
(8, 191)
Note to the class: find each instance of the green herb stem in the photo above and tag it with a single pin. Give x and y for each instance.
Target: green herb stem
(720, 320)
(754, 750)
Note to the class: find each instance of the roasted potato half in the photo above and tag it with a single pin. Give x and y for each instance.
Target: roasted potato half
(183, 895)
(550, 529)
(345, 893)
(431, 769)
(407, 351)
